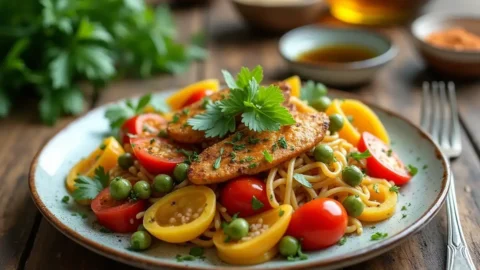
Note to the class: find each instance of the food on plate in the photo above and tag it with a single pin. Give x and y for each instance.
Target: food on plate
(254, 171)
(457, 39)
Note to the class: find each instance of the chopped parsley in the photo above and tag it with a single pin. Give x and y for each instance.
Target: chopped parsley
(282, 143)
(237, 146)
(350, 118)
(233, 155)
(216, 165)
(65, 199)
(195, 253)
(252, 165)
(175, 118)
(260, 107)
(256, 204)
(162, 133)
(359, 155)
(375, 187)
(102, 146)
(342, 241)
(300, 256)
(300, 178)
(205, 102)
(281, 212)
(253, 140)
(404, 216)
(378, 236)
(105, 230)
(389, 152)
(404, 208)
(268, 156)
(191, 156)
(394, 189)
(186, 111)
(152, 141)
(425, 167)
(412, 170)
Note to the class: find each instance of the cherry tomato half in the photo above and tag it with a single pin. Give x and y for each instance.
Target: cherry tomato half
(238, 196)
(117, 216)
(383, 162)
(197, 96)
(319, 223)
(148, 124)
(156, 155)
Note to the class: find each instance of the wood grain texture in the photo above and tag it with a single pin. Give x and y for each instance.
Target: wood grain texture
(231, 46)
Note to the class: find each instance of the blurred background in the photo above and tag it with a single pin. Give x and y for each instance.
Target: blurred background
(60, 54)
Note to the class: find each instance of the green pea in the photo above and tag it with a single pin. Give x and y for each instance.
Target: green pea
(321, 104)
(288, 246)
(140, 240)
(336, 122)
(125, 161)
(352, 175)
(162, 183)
(323, 153)
(120, 188)
(180, 172)
(353, 205)
(142, 189)
(237, 229)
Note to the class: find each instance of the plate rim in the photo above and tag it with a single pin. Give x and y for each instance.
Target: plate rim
(337, 261)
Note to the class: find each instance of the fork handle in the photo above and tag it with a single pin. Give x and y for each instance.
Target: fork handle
(458, 256)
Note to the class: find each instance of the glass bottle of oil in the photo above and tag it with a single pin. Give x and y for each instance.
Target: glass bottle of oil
(375, 12)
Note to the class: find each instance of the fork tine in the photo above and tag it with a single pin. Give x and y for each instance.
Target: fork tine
(456, 140)
(445, 117)
(436, 111)
(425, 106)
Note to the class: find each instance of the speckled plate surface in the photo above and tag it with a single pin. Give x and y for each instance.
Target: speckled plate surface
(423, 196)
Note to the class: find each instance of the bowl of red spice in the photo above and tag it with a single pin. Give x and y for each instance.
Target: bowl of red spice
(449, 43)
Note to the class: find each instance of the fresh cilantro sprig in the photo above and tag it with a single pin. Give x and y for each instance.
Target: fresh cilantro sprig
(378, 236)
(87, 188)
(412, 170)
(256, 204)
(260, 107)
(313, 91)
(359, 155)
(300, 178)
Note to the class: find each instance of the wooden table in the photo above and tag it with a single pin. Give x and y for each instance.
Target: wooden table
(28, 241)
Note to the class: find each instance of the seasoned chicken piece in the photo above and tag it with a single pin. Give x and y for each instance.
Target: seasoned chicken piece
(243, 152)
(181, 132)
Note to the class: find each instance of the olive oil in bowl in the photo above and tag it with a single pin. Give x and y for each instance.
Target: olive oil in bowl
(336, 54)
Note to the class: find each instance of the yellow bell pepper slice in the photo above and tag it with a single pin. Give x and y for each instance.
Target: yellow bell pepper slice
(105, 156)
(162, 220)
(267, 256)
(364, 119)
(386, 209)
(257, 246)
(177, 100)
(302, 106)
(295, 84)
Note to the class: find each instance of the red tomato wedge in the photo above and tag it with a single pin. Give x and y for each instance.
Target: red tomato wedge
(148, 124)
(319, 223)
(383, 162)
(156, 155)
(117, 216)
(238, 196)
(197, 96)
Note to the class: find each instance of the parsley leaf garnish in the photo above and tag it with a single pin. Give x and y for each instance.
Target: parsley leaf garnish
(216, 165)
(65, 199)
(404, 216)
(87, 188)
(412, 170)
(375, 188)
(268, 156)
(281, 212)
(359, 156)
(313, 91)
(118, 114)
(282, 143)
(404, 208)
(342, 241)
(378, 236)
(394, 189)
(260, 107)
(196, 251)
(302, 180)
(300, 256)
(256, 204)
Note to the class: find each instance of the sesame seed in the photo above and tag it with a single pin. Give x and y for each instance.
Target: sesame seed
(172, 220)
(195, 216)
(189, 210)
(140, 215)
(132, 221)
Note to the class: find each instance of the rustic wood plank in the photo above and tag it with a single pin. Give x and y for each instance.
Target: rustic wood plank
(54, 249)
(22, 135)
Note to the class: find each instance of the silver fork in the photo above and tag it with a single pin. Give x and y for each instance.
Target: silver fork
(440, 119)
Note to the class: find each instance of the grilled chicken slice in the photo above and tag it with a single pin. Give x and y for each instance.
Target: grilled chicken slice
(181, 132)
(243, 152)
